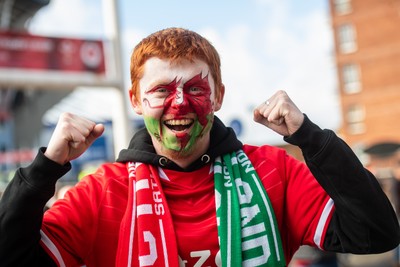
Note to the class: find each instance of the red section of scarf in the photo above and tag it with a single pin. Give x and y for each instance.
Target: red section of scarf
(147, 236)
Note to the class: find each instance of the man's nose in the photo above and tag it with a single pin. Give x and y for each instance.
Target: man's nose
(179, 97)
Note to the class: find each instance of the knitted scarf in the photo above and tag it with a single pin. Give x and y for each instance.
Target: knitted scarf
(247, 228)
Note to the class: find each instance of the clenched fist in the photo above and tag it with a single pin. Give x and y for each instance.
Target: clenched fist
(71, 137)
(280, 114)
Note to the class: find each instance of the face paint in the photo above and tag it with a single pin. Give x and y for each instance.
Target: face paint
(193, 97)
(178, 142)
(177, 104)
(179, 96)
(187, 109)
(155, 97)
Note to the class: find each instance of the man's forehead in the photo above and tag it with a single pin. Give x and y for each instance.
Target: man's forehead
(165, 66)
(161, 71)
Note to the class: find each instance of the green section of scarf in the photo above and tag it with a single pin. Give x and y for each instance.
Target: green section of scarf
(247, 227)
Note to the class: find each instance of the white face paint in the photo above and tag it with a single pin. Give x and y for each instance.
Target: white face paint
(179, 95)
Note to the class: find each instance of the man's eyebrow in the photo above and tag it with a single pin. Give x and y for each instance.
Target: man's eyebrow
(198, 79)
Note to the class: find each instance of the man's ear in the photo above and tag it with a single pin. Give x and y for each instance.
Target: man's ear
(136, 104)
(220, 98)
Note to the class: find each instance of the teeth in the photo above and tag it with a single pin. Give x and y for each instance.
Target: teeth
(182, 122)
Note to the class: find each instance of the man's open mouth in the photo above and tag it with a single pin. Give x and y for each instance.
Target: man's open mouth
(179, 125)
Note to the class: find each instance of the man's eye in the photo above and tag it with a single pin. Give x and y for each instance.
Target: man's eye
(161, 90)
(195, 90)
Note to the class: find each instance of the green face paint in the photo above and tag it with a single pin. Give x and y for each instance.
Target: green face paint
(179, 142)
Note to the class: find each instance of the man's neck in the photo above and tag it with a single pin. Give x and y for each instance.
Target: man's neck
(181, 159)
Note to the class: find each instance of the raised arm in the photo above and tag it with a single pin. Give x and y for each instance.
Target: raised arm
(363, 221)
(21, 207)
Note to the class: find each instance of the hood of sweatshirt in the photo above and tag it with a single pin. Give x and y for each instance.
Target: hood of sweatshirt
(222, 140)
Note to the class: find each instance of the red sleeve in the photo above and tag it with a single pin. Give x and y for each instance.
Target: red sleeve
(308, 207)
(302, 208)
(69, 227)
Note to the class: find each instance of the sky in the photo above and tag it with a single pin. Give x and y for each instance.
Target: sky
(265, 46)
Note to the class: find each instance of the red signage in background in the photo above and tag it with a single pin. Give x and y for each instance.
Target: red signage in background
(26, 51)
(17, 156)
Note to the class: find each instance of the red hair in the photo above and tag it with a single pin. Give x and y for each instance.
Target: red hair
(174, 44)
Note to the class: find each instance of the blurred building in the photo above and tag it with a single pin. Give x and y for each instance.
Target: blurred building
(367, 50)
(367, 41)
(21, 108)
(16, 14)
(36, 73)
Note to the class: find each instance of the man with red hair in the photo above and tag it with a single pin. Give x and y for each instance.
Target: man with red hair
(187, 192)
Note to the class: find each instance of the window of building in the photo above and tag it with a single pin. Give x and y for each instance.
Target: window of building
(351, 78)
(342, 6)
(355, 113)
(355, 116)
(347, 38)
(357, 128)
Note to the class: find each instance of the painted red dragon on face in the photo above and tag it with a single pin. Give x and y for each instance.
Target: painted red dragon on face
(193, 97)
(186, 110)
